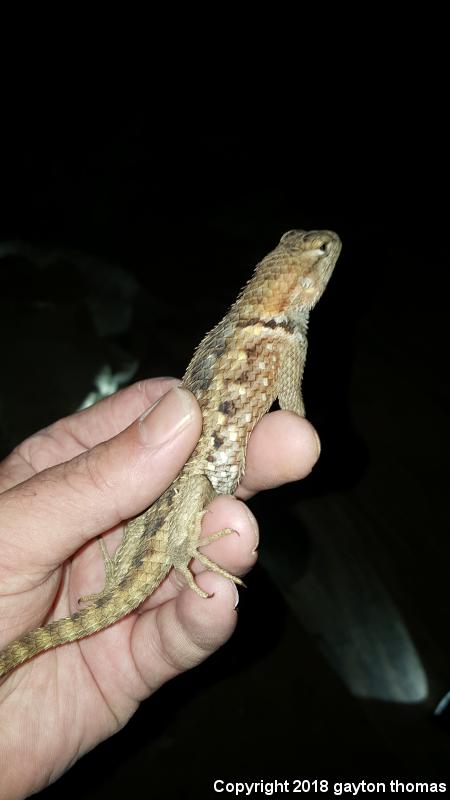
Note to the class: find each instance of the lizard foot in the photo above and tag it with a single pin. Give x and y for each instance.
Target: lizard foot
(213, 537)
(183, 567)
(190, 580)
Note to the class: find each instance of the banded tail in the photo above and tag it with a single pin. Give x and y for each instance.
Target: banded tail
(109, 607)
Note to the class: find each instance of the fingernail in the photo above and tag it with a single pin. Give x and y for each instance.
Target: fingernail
(236, 593)
(255, 527)
(166, 418)
(318, 444)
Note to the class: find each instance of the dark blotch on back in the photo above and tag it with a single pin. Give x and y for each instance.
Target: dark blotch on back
(285, 324)
(218, 442)
(136, 561)
(201, 372)
(169, 495)
(154, 526)
(219, 347)
(227, 407)
(203, 380)
(103, 600)
(267, 323)
(247, 323)
(28, 638)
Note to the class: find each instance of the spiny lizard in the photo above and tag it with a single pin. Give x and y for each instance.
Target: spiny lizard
(253, 356)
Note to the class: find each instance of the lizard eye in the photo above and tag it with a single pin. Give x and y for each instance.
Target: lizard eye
(324, 247)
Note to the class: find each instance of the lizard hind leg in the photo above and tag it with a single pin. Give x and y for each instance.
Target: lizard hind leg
(110, 578)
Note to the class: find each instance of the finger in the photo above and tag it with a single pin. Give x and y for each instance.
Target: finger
(47, 518)
(184, 631)
(282, 448)
(113, 414)
(70, 436)
(236, 552)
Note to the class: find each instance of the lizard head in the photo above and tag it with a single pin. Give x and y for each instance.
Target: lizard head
(292, 277)
(313, 255)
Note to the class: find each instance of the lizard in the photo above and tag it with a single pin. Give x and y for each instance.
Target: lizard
(254, 356)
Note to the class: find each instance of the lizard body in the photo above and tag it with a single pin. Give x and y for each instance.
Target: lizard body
(253, 356)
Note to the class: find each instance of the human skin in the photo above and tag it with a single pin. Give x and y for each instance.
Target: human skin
(84, 476)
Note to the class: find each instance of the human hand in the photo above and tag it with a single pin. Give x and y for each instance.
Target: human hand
(60, 488)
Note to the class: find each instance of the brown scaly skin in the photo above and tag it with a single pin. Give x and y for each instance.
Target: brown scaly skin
(253, 356)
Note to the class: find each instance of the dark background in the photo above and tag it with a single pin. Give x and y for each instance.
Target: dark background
(125, 242)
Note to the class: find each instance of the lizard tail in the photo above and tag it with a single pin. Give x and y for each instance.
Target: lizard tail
(104, 611)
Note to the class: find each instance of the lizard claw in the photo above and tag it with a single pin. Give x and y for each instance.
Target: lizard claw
(211, 565)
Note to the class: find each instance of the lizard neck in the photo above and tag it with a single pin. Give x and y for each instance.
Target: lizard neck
(271, 299)
(275, 289)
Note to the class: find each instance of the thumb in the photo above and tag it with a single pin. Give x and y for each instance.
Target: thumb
(48, 517)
